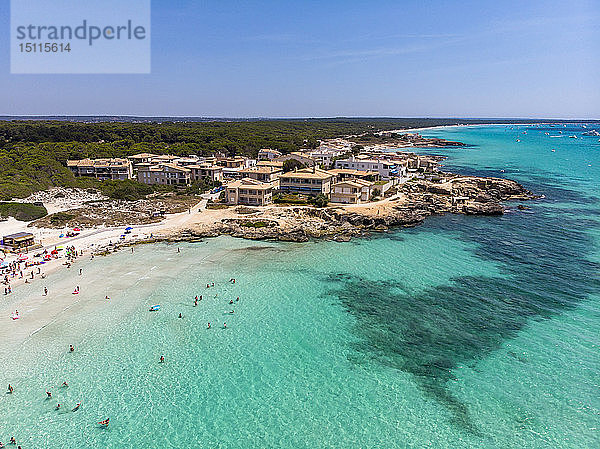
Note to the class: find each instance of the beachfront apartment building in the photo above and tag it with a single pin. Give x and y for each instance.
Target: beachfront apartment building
(352, 191)
(308, 181)
(299, 156)
(141, 158)
(262, 173)
(102, 169)
(163, 173)
(203, 171)
(249, 192)
(266, 154)
(325, 156)
(386, 168)
(343, 174)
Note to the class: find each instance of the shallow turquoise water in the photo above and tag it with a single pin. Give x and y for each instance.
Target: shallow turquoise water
(464, 332)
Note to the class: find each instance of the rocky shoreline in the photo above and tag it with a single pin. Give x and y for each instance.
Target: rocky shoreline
(414, 202)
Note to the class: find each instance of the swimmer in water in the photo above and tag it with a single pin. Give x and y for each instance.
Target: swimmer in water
(57, 407)
(71, 348)
(180, 316)
(208, 327)
(237, 299)
(10, 388)
(49, 394)
(231, 301)
(12, 440)
(162, 359)
(77, 406)
(65, 384)
(224, 325)
(104, 422)
(195, 302)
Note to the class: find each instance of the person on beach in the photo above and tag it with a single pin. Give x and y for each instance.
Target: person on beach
(80, 271)
(162, 359)
(45, 291)
(106, 297)
(71, 348)
(178, 250)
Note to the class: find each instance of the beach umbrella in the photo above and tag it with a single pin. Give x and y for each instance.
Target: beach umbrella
(128, 228)
(54, 251)
(76, 229)
(22, 257)
(47, 257)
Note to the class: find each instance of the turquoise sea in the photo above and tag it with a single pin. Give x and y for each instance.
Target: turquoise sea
(466, 332)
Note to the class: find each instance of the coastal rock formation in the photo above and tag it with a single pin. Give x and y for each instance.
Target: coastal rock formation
(415, 202)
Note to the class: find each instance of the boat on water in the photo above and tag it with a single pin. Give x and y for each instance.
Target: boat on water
(591, 132)
(572, 137)
(155, 308)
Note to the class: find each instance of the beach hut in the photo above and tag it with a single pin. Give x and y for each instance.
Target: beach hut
(18, 240)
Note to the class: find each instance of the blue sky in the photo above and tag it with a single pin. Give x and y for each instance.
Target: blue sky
(341, 58)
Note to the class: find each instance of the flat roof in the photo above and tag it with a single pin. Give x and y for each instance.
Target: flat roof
(115, 162)
(308, 174)
(19, 235)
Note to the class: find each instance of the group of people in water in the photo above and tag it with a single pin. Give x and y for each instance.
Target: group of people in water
(58, 406)
(12, 441)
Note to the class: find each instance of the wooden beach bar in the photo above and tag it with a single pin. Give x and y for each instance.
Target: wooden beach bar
(18, 241)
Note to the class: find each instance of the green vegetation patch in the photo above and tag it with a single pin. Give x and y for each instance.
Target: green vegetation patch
(254, 224)
(61, 218)
(22, 211)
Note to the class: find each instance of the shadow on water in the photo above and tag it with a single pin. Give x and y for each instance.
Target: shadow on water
(545, 271)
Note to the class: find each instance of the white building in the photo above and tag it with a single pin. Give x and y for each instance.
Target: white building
(386, 169)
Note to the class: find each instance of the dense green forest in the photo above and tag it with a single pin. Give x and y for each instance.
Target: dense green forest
(33, 153)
